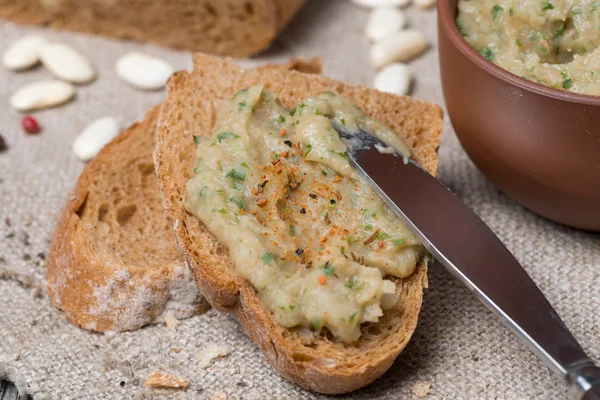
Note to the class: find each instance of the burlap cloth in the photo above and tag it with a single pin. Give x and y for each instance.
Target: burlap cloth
(459, 348)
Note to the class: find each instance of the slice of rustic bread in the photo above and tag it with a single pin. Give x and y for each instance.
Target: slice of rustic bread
(227, 27)
(113, 263)
(313, 361)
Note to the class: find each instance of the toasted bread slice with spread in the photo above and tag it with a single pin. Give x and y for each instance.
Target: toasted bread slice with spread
(314, 362)
(113, 262)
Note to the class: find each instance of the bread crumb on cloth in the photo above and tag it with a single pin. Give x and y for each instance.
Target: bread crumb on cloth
(159, 379)
(421, 389)
(212, 352)
(219, 396)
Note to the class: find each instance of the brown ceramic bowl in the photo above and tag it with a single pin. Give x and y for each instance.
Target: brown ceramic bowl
(540, 146)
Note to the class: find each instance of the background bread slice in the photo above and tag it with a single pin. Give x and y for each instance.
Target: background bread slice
(226, 27)
(314, 362)
(113, 263)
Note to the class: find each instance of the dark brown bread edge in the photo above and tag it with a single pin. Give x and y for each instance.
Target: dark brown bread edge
(64, 15)
(228, 292)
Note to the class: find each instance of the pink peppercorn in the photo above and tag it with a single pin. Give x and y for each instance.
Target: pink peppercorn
(30, 125)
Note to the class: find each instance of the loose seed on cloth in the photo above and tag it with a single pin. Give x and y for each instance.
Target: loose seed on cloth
(399, 46)
(66, 63)
(3, 146)
(23, 53)
(394, 78)
(383, 22)
(381, 3)
(143, 71)
(94, 137)
(425, 3)
(42, 94)
(30, 125)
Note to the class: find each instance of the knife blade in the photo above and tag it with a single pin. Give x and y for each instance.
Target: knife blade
(469, 249)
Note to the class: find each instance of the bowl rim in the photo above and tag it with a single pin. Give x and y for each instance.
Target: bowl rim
(447, 23)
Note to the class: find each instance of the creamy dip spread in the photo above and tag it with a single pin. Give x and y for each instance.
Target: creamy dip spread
(276, 188)
(554, 43)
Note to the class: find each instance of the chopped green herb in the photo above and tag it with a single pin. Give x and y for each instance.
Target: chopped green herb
(518, 42)
(301, 105)
(316, 324)
(197, 141)
(202, 191)
(238, 203)
(511, 10)
(576, 9)
(496, 10)
(219, 191)
(226, 135)
(292, 308)
(560, 31)
(595, 6)
(323, 172)
(486, 52)
(317, 112)
(267, 258)
(368, 227)
(328, 269)
(382, 236)
(350, 240)
(241, 105)
(461, 28)
(293, 111)
(343, 121)
(567, 83)
(235, 175)
(546, 5)
(223, 211)
(244, 164)
(352, 316)
(307, 150)
(398, 242)
(240, 92)
(353, 284)
(282, 119)
(329, 92)
(292, 230)
(342, 250)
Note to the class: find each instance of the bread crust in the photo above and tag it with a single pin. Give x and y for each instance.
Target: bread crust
(225, 27)
(313, 362)
(99, 284)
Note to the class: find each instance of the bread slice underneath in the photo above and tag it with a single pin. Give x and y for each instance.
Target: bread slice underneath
(113, 263)
(313, 361)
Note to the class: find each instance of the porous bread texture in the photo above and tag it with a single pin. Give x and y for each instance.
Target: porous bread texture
(227, 27)
(314, 362)
(113, 263)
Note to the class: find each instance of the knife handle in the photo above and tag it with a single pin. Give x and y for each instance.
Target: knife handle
(586, 382)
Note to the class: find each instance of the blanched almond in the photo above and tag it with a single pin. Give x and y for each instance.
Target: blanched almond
(94, 137)
(394, 78)
(143, 71)
(66, 63)
(381, 3)
(42, 94)
(383, 22)
(399, 46)
(23, 53)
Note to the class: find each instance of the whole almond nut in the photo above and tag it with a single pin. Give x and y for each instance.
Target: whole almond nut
(66, 63)
(42, 94)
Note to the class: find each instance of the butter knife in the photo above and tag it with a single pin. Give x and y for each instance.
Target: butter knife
(464, 245)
